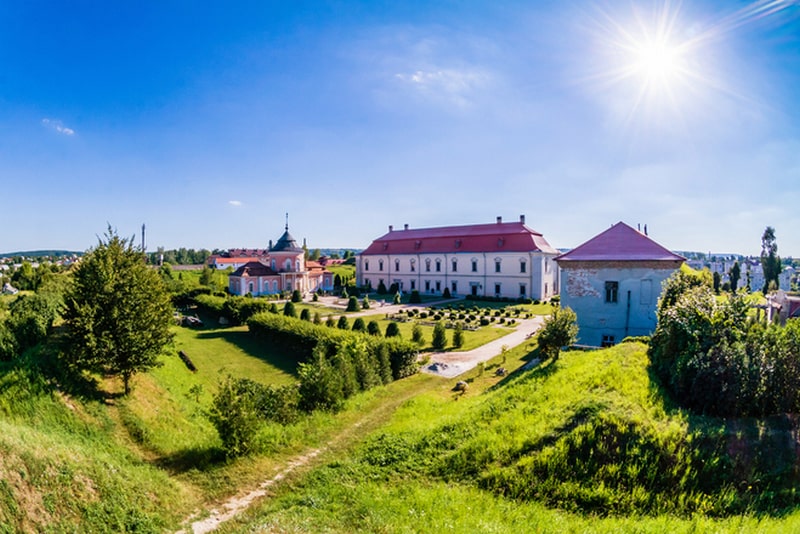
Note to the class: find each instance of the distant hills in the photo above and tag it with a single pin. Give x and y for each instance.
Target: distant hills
(40, 253)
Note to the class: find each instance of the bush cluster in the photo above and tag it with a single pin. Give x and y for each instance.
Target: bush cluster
(237, 310)
(302, 339)
(716, 359)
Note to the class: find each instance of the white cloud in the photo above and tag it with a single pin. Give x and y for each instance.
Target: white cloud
(451, 84)
(58, 126)
(235, 202)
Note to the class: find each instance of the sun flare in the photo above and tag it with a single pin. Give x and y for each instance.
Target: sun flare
(658, 62)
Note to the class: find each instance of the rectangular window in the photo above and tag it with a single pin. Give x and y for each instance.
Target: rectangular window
(612, 289)
(474, 266)
(427, 285)
(608, 341)
(366, 266)
(428, 267)
(497, 289)
(455, 266)
(413, 267)
(438, 267)
(523, 267)
(454, 287)
(497, 266)
(522, 290)
(413, 285)
(438, 286)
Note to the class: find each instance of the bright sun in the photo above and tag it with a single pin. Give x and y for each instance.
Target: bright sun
(658, 62)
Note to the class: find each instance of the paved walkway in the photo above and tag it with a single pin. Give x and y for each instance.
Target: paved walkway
(456, 363)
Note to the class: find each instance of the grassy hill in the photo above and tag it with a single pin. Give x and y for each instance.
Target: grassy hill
(587, 444)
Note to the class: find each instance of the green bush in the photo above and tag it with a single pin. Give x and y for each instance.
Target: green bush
(343, 323)
(417, 335)
(415, 297)
(359, 325)
(305, 314)
(235, 416)
(458, 336)
(296, 296)
(365, 303)
(439, 337)
(352, 304)
(373, 328)
(288, 309)
(560, 329)
(392, 330)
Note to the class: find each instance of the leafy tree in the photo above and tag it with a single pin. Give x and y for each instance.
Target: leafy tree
(26, 277)
(315, 254)
(207, 276)
(352, 304)
(717, 281)
(439, 336)
(296, 296)
(343, 323)
(392, 330)
(458, 335)
(559, 330)
(416, 335)
(373, 328)
(770, 261)
(118, 311)
(32, 317)
(288, 309)
(735, 275)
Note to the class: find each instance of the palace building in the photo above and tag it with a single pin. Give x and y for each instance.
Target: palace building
(280, 269)
(502, 259)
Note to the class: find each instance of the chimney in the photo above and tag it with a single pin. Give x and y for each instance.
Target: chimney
(405, 226)
(522, 219)
(391, 227)
(645, 229)
(499, 220)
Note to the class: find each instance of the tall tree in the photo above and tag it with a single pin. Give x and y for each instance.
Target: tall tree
(735, 274)
(118, 311)
(770, 261)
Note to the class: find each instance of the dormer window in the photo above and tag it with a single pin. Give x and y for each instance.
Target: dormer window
(500, 242)
(385, 246)
(380, 265)
(417, 244)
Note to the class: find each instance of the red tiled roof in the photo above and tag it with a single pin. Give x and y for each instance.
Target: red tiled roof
(497, 237)
(620, 243)
(253, 268)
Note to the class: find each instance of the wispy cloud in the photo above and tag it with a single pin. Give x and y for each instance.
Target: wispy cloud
(235, 202)
(58, 126)
(451, 84)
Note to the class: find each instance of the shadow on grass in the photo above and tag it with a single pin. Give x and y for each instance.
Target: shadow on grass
(254, 347)
(199, 458)
(543, 370)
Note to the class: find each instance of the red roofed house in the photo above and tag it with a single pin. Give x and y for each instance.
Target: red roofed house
(497, 260)
(280, 269)
(613, 281)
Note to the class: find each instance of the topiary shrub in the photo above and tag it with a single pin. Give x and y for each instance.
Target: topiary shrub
(446, 293)
(296, 296)
(305, 314)
(373, 328)
(415, 297)
(439, 341)
(458, 336)
(381, 288)
(359, 325)
(343, 323)
(352, 304)
(365, 303)
(288, 309)
(417, 335)
(392, 330)
(397, 298)
(330, 321)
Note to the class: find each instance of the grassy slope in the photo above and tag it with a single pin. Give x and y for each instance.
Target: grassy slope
(448, 462)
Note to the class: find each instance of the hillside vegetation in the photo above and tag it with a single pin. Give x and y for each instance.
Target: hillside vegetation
(588, 443)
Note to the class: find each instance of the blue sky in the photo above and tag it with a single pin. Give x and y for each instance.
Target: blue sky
(210, 121)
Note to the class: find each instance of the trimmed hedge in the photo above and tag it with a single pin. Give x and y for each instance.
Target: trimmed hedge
(236, 309)
(301, 338)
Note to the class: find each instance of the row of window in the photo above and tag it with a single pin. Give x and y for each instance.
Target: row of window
(523, 265)
(435, 286)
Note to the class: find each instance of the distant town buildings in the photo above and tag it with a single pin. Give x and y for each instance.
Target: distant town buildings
(501, 259)
(613, 281)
